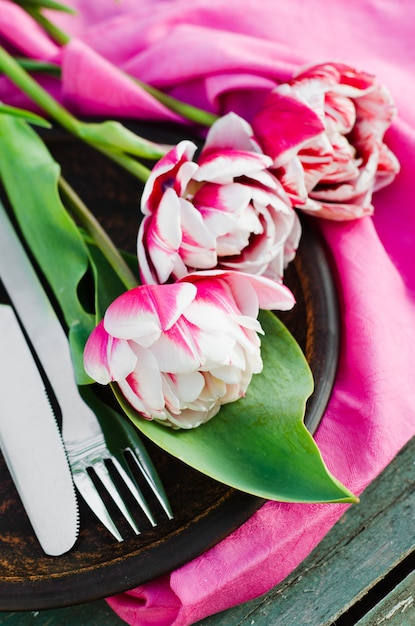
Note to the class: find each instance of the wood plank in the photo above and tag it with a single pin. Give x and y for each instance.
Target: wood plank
(91, 614)
(396, 609)
(369, 541)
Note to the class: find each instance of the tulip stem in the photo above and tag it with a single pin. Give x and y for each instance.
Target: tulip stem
(11, 68)
(55, 33)
(91, 225)
(30, 87)
(187, 111)
(41, 67)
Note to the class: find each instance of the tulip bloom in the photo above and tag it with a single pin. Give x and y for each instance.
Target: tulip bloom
(224, 211)
(324, 131)
(179, 351)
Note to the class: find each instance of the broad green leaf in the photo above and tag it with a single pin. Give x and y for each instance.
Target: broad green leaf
(30, 177)
(32, 118)
(259, 444)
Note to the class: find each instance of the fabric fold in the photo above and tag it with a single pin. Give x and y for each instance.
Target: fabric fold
(91, 85)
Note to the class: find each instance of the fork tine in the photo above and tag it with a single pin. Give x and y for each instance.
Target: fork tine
(145, 466)
(105, 477)
(123, 437)
(134, 489)
(93, 442)
(91, 496)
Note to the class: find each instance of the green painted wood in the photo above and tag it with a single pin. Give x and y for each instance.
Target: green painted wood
(91, 614)
(369, 541)
(396, 609)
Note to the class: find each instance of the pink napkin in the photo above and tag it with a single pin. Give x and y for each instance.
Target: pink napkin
(222, 55)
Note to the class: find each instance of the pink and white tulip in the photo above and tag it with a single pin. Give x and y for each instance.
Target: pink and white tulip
(224, 211)
(180, 351)
(324, 131)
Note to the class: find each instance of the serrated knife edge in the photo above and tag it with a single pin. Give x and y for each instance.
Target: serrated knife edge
(31, 443)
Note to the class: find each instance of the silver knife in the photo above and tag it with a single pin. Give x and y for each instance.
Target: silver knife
(31, 443)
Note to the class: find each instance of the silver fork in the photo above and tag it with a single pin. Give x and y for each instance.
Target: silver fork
(83, 437)
(88, 453)
(124, 443)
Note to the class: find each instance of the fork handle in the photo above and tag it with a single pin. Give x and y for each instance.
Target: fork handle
(52, 348)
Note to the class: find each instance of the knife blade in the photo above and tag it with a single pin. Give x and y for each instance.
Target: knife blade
(40, 322)
(31, 443)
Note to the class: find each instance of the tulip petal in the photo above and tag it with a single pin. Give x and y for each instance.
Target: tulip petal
(284, 126)
(106, 358)
(142, 313)
(143, 385)
(231, 132)
(181, 390)
(176, 351)
(159, 238)
(388, 168)
(216, 199)
(225, 165)
(342, 110)
(269, 294)
(228, 374)
(292, 179)
(164, 175)
(213, 342)
(197, 247)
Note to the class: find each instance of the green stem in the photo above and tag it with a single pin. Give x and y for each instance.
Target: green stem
(42, 67)
(136, 168)
(30, 87)
(53, 109)
(187, 111)
(55, 33)
(28, 116)
(45, 4)
(98, 234)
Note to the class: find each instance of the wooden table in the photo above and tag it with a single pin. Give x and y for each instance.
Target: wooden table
(362, 573)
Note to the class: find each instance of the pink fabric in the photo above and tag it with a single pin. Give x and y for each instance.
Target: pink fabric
(224, 54)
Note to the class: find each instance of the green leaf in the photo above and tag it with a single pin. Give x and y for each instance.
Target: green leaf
(30, 177)
(259, 444)
(115, 136)
(32, 118)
